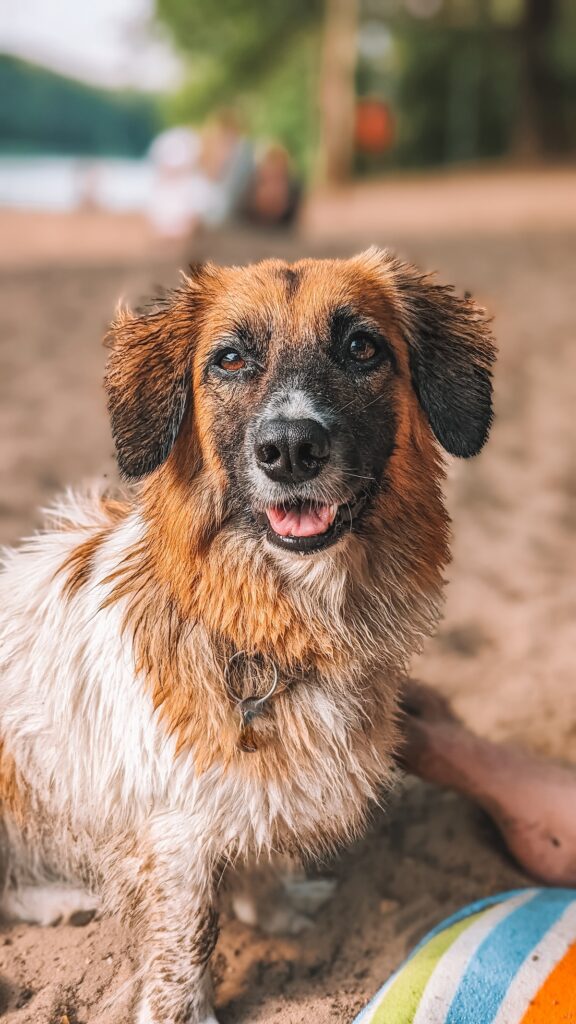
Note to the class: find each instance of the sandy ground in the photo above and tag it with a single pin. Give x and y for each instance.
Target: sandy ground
(504, 654)
(448, 204)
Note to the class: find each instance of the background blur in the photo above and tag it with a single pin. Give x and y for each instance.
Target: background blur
(135, 136)
(269, 100)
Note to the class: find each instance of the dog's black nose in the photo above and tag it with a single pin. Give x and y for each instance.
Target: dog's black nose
(290, 451)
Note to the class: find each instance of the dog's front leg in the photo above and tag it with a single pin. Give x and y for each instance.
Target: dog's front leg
(165, 886)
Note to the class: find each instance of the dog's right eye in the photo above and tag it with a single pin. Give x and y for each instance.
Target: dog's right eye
(231, 361)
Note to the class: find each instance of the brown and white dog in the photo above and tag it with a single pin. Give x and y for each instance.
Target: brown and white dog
(210, 669)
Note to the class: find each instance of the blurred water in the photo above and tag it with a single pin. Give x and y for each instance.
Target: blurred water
(63, 183)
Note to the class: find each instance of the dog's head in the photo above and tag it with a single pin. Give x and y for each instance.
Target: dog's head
(289, 390)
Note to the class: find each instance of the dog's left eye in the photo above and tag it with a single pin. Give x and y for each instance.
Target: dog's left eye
(362, 348)
(231, 361)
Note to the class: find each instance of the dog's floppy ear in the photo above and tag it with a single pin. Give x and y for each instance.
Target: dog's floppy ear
(451, 354)
(147, 381)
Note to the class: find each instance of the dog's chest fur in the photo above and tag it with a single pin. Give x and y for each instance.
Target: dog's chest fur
(93, 753)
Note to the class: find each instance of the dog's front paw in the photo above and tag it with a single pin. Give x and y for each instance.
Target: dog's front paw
(145, 1015)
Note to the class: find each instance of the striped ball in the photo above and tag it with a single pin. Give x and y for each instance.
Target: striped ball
(510, 959)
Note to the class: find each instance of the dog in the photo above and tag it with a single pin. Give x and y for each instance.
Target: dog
(209, 668)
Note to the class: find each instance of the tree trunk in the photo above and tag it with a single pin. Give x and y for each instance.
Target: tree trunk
(539, 128)
(337, 92)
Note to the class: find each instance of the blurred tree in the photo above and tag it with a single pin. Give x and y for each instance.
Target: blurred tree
(337, 95)
(540, 123)
(473, 79)
(464, 79)
(43, 112)
(250, 50)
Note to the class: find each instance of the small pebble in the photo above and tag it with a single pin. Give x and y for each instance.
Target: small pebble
(80, 918)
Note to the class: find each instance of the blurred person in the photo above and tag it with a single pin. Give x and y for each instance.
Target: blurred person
(88, 177)
(227, 161)
(274, 196)
(201, 180)
(530, 799)
(174, 155)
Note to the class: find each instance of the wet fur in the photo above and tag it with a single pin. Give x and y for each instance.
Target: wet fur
(119, 765)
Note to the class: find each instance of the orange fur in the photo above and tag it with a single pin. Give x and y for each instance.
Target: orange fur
(78, 567)
(14, 795)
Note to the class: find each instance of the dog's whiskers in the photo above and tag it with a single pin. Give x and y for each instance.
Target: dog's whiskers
(373, 400)
(352, 401)
(358, 476)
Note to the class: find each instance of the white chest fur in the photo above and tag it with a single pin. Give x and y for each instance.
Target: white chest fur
(81, 726)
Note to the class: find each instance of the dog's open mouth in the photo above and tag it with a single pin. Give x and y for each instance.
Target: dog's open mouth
(308, 526)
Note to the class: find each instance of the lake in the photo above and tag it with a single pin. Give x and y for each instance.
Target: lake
(64, 183)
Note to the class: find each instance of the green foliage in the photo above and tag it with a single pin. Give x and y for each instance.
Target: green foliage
(456, 81)
(260, 57)
(284, 107)
(563, 46)
(245, 38)
(455, 94)
(43, 112)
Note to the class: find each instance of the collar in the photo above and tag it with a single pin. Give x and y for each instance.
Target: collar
(252, 681)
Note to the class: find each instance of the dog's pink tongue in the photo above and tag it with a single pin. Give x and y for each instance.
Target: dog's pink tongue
(306, 521)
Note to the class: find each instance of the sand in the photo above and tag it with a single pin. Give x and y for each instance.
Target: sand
(504, 654)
